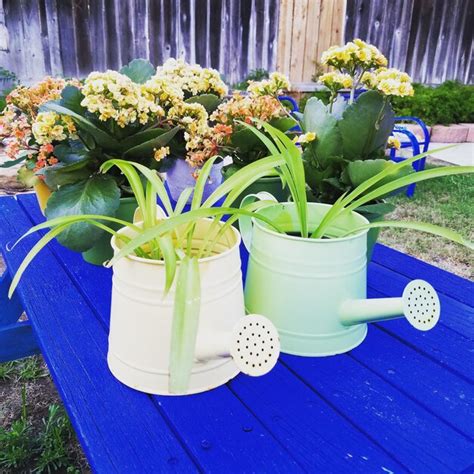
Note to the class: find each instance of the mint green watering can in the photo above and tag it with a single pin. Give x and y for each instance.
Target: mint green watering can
(315, 290)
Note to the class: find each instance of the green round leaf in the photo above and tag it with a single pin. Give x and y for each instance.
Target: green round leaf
(209, 101)
(138, 70)
(98, 195)
(366, 125)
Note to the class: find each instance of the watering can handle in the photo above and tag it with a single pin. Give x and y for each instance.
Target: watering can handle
(160, 214)
(245, 222)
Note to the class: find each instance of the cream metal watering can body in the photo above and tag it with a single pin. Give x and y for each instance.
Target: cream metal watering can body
(142, 317)
(314, 290)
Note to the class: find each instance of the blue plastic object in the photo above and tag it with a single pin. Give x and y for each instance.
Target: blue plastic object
(291, 100)
(416, 145)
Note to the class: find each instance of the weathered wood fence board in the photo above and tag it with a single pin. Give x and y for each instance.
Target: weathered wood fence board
(431, 39)
(74, 37)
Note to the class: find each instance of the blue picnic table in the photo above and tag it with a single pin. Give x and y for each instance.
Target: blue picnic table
(403, 401)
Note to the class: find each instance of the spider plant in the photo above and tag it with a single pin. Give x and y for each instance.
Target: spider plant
(376, 187)
(169, 240)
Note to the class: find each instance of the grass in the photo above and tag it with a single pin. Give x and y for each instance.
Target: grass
(29, 368)
(39, 437)
(445, 201)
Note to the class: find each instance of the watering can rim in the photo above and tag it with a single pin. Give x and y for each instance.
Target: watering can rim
(261, 226)
(162, 263)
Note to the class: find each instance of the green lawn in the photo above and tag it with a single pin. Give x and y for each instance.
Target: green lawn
(445, 201)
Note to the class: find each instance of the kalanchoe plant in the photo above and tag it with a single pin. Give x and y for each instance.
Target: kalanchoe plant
(168, 240)
(260, 102)
(350, 137)
(115, 115)
(16, 127)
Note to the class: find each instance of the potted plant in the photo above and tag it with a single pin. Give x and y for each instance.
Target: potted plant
(349, 137)
(202, 91)
(297, 276)
(177, 317)
(64, 130)
(16, 131)
(259, 102)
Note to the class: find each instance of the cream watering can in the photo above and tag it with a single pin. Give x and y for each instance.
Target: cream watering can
(315, 290)
(227, 343)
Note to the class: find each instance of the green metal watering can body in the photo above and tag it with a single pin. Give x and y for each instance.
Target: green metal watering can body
(301, 283)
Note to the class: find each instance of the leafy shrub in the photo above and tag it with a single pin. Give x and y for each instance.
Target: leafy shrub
(321, 95)
(254, 75)
(6, 74)
(451, 102)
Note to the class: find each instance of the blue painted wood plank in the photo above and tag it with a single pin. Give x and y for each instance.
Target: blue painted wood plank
(317, 435)
(454, 314)
(215, 426)
(10, 309)
(414, 436)
(119, 428)
(438, 390)
(17, 341)
(456, 287)
(443, 345)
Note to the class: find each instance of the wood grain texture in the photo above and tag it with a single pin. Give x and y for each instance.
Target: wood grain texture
(430, 39)
(306, 29)
(311, 39)
(75, 37)
(399, 402)
(413, 435)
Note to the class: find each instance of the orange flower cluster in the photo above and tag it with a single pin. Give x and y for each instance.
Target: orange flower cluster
(29, 99)
(22, 108)
(45, 157)
(248, 107)
(210, 145)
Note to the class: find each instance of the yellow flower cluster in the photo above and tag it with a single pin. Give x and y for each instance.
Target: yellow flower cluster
(274, 86)
(336, 80)
(246, 108)
(305, 138)
(393, 82)
(163, 91)
(356, 53)
(192, 79)
(193, 118)
(160, 153)
(50, 127)
(115, 96)
(359, 63)
(393, 142)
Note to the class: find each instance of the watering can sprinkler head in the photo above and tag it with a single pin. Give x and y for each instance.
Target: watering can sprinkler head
(253, 344)
(419, 304)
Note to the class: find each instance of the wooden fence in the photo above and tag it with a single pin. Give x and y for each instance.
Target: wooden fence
(431, 39)
(74, 37)
(306, 29)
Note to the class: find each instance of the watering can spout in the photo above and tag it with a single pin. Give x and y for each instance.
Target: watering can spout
(253, 344)
(419, 304)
